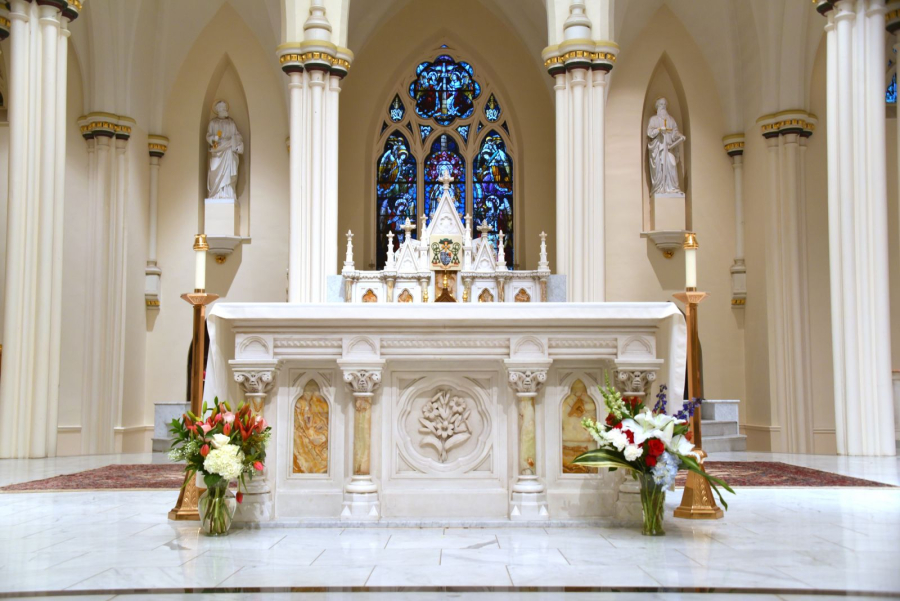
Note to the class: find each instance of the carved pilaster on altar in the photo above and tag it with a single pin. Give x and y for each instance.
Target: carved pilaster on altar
(529, 497)
(361, 493)
(257, 379)
(634, 380)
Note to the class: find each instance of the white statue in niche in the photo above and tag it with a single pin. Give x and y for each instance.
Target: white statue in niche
(225, 147)
(665, 152)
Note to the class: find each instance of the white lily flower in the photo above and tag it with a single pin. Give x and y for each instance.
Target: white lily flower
(683, 446)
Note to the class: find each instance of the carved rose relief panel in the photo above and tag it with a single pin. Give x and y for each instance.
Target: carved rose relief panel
(311, 420)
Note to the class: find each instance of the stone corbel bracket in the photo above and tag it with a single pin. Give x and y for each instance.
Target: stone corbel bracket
(256, 378)
(635, 378)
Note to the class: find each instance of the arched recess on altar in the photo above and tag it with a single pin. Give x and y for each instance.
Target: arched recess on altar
(225, 84)
(665, 83)
(386, 63)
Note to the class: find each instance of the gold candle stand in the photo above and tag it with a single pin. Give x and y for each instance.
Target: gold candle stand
(697, 503)
(188, 499)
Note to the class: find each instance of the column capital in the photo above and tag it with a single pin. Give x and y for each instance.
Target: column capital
(362, 381)
(527, 382)
(792, 121)
(734, 144)
(5, 23)
(597, 55)
(255, 377)
(157, 145)
(314, 55)
(892, 17)
(634, 380)
(72, 10)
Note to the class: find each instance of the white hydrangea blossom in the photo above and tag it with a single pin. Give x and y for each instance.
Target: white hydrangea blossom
(226, 461)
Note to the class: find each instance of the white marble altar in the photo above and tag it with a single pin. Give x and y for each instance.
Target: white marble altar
(439, 411)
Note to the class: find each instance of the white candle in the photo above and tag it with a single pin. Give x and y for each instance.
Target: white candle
(690, 260)
(200, 248)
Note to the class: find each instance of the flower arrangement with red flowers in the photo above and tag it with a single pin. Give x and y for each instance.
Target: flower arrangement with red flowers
(649, 443)
(223, 446)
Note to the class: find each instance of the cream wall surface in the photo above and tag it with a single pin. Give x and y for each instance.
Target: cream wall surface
(499, 56)
(256, 270)
(636, 269)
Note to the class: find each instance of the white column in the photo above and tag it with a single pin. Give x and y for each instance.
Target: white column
(315, 67)
(529, 497)
(361, 493)
(29, 387)
(119, 238)
(861, 319)
(157, 146)
(580, 66)
(734, 146)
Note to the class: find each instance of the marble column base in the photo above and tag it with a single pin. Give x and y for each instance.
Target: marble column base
(628, 504)
(529, 506)
(256, 507)
(361, 506)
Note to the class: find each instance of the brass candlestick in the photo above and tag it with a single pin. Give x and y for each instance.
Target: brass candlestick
(697, 503)
(188, 499)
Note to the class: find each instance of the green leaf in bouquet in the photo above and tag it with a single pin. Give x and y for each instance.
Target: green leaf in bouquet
(602, 458)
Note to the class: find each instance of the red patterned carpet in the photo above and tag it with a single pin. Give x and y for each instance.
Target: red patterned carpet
(776, 474)
(111, 477)
(169, 476)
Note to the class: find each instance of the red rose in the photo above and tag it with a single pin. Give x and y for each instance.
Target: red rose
(630, 436)
(204, 450)
(655, 447)
(240, 497)
(610, 418)
(650, 460)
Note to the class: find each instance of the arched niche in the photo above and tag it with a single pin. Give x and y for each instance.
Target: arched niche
(312, 431)
(225, 84)
(664, 82)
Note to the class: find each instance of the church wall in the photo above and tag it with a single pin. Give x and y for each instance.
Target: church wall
(256, 270)
(636, 269)
(390, 57)
(75, 268)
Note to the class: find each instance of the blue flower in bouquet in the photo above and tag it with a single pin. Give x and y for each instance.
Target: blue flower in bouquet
(665, 470)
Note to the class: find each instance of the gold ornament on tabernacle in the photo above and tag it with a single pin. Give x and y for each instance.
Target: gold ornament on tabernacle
(485, 296)
(311, 421)
(575, 439)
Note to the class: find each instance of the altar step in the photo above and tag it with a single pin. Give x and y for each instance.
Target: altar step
(163, 414)
(721, 432)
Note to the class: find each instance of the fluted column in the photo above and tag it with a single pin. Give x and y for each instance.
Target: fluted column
(256, 379)
(529, 499)
(734, 146)
(580, 66)
(361, 492)
(157, 146)
(315, 67)
(33, 296)
(787, 294)
(864, 411)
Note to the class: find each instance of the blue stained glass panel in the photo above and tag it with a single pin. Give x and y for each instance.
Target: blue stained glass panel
(395, 192)
(492, 191)
(397, 110)
(464, 132)
(409, 126)
(445, 155)
(444, 90)
(480, 126)
(505, 127)
(425, 131)
(890, 96)
(492, 109)
(383, 127)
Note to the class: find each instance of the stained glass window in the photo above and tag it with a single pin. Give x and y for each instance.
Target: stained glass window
(444, 90)
(383, 126)
(890, 96)
(409, 126)
(492, 190)
(464, 132)
(395, 191)
(445, 155)
(480, 126)
(425, 131)
(397, 109)
(492, 109)
(505, 127)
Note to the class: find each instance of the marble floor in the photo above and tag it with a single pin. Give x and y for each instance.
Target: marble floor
(772, 544)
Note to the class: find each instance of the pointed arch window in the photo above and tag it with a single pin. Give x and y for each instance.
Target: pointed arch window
(395, 190)
(445, 100)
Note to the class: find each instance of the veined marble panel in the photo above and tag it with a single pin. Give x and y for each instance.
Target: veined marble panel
(577, 405)
(311, 430)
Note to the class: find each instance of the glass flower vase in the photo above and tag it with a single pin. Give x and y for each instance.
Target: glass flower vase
(653, 501)
(217, 507)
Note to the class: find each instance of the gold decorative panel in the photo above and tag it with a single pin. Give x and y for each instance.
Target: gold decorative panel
(405, 296)
(370, 297)
(485, 296)
(522, 296)
(575, 439)
(311, 421)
